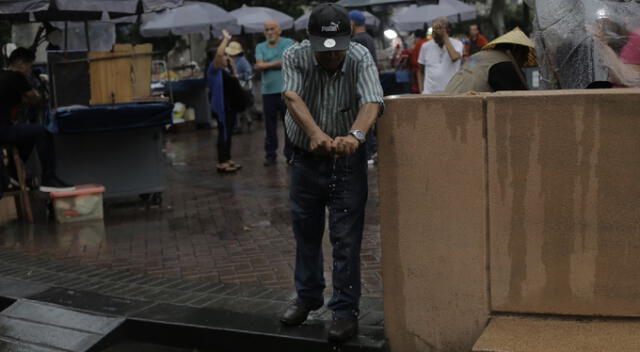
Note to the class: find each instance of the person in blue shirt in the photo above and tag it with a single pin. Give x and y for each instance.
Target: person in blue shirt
(269, 62)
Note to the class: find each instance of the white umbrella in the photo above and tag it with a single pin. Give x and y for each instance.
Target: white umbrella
(414, 17)
(77, 10)
(192, 17)
(465, 11)
(252, 19)
(370, 21)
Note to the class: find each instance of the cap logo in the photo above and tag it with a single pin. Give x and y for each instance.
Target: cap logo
(329, 43)
(333, 27)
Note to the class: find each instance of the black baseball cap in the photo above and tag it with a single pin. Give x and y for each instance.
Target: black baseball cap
(329, 28)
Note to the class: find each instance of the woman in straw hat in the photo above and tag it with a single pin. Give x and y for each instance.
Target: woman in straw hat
(497, 67)
(227, 100)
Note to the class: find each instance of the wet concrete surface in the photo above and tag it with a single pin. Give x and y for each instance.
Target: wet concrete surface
(214, 261)
(231, 229)
(34, 325)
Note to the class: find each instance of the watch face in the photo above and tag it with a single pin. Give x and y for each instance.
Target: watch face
(359, 135)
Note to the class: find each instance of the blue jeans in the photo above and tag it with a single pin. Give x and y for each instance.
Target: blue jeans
(274, 110)
(318, 183)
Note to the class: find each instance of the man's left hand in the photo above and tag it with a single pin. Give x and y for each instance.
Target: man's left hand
(344, 146)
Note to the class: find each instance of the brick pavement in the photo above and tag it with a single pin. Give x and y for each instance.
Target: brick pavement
(232, 229)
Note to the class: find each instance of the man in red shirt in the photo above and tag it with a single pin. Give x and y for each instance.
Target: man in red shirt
(415, 67)
(475, 41)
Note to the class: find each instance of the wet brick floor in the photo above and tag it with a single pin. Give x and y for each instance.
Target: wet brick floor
(233, 229)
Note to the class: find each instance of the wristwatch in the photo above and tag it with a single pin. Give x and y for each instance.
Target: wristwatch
(359, 135)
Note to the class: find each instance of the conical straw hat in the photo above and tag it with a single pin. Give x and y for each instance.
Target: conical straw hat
(517, 37)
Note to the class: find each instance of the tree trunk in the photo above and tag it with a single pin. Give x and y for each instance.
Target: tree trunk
(497, 17)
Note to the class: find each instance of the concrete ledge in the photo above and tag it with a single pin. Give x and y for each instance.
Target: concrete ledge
(534, 334)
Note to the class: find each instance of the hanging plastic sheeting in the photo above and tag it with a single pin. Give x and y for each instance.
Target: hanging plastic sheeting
(102, 35)
(579, 42)
(78, 10)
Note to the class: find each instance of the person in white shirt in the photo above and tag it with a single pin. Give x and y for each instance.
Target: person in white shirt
(439, 59)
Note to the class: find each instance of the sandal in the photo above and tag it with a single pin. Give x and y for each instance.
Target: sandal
(226, 168)
(234, 164)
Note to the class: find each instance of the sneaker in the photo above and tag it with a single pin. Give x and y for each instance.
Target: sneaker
(269, 162)
(54, 184)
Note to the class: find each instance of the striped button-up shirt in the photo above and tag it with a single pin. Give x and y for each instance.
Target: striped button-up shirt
(334, 101)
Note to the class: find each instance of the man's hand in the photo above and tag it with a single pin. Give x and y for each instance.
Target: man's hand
(321, 143)
(226, 35)
(345, 146)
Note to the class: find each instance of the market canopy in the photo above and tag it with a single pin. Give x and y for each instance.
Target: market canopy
(78, 10)
(365, 3)
(252, 19)
(414, 17)
(465, 11)
(192, 17)
(370, 21)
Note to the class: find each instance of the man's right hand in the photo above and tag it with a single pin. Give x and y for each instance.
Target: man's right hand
(321, 143)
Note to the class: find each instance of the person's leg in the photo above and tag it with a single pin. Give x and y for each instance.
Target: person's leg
(347, 204)
(221, 144)
(26, 137)
(231, 121)
(270, 102)
(372, 143)
(288, 147)
(307, 195)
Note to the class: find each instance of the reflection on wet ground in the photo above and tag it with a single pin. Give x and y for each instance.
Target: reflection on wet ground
(228, 228)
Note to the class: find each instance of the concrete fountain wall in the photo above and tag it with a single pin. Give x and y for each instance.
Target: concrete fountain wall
(509, 203)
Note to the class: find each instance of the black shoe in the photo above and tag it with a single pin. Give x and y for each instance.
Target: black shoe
(54, 184)
(269, 162)
(297, 313)
(342, 329)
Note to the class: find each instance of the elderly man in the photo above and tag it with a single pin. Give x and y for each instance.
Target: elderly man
(439, 58)
(334, 96)
(269, 62)
(497, 67)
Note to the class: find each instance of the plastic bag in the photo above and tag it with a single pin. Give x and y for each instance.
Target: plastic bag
(580, 42)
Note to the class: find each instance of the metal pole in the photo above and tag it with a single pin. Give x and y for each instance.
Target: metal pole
(86, 35)
(66, 36)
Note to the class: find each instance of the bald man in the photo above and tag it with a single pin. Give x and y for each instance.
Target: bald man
(269, 62)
